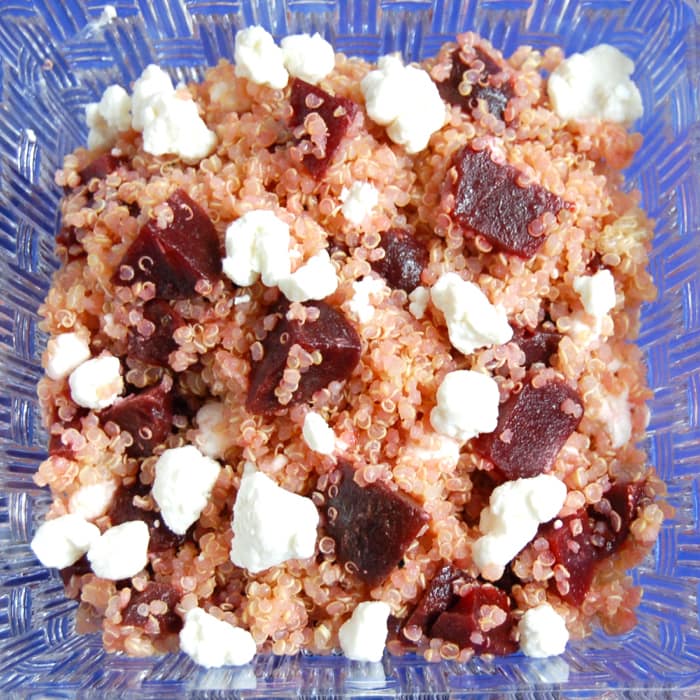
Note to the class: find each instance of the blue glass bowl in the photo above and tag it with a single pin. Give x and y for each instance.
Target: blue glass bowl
(57, 56)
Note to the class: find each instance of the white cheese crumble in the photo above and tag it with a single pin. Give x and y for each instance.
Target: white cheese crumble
(97, 383)
(616, 416)
(182, 485)
(358, 201)
(363, 636)
(597, 292)
(259, 59)
(515, 511)
(310, 58)
(467, 404)
(212, 643)
(62, 541)
(542, 632)
(108, 117)
(472, 321)
(315, 279)
(92, 500)
(152, 82)
(257, 244)
(318, 435)
(595, 84)
(64, 353)
(212, 436)
(360, 303)
(418, 301)
(405, 100)
(121, 552)
(270, 525)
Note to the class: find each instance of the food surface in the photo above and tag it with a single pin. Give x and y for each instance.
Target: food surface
(342, 357)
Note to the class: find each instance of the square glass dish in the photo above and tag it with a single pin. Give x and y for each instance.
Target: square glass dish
(58, 55)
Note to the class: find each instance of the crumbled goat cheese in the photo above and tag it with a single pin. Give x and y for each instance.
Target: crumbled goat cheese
(170, 123)
(318, 435)
(108, 117)
(64, 353)
(92, 500)
(472, 321)
(212, 643)
(616, 417)
(363, 636)
(62, 541)
(595, 84)
(542, 632)
(259, 59)
(418, 301)
(97, 383)
(360, 304)
(121, 552)
(270, 525)
(405, 100)
(316, 279)
(515, 511)
(257, 244)
(213, 435)
(182, 485)
(310, 58)
(467, 404)
(597, 292)
(358, 201)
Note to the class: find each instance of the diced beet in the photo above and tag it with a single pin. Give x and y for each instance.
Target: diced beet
(610, 528)
(147, 416)
(156, 348)
(538, 345)
(169, 622)
(336, 112)
(331, 334)
(489, 201)
(533, 426)
(80, 568)
(57, 448)
(483, 483)
(404, 259)
(437, 597)
(372, 526)
(99, 168)
(470, 622)
(123, 510)
(174, 258)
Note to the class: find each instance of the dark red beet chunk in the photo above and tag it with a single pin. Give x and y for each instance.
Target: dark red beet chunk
(99, 168)
(372, 526)
(489, 201)
(331, 334)
(169, 622)
(156, 348)
(337, 113)
(123, 509)
(437, 597)
(57, 448)
(533, 426)
(611, 527)
(174, 258)
(147, 415)
(404, 259)
(538, 345)
(471, 622)
(67, 238)
(483, 483)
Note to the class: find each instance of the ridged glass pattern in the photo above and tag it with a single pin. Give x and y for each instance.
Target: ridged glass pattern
(56, 56)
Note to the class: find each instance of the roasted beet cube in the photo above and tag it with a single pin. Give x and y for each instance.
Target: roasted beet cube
(533, 426)
(139, 609)
(437, 597)
(372, 526)
(99, 168)
(481, 619)
(483, 483)
(174, 258)
(337, 113)
(147, 416)
(538, 345)
(611, 526)
(331, 334)
(489, 201)
(156, 348)
(57, 448)
(404, 259)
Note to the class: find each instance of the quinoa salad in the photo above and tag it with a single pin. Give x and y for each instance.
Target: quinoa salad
(341, 357)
